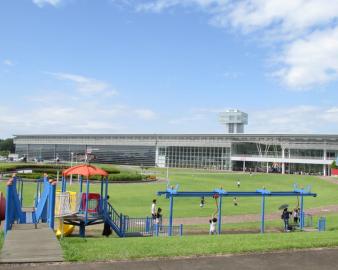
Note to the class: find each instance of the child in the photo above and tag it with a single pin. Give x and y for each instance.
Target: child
(295, 215)
(235, 201)
(238, 183)
(159, 218)
(213, 223)
(202, 202)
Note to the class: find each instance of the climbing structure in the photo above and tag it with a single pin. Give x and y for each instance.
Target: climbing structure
(43, 210)
(94, 208)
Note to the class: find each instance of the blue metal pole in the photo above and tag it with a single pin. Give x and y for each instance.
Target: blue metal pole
(121, 225)
(171, 208)
(21, 192)
(105, 195)
(63, 186)
(219, 217)
(301, 212)
(52, 205)
(87, 197)
(81, 182)
(263, 214)
(101, 196)
(8, 211)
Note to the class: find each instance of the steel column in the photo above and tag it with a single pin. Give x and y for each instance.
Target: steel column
(171, 209)
(219, 217)
(263, 214)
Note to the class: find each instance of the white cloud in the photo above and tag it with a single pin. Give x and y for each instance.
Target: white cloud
(297, 119)
(42, 3)
(86, 85)
(312, 60)
(145, 114)
(8, 62)
(303, 31)
(187, 119)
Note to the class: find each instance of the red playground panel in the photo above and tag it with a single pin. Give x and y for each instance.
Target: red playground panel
(93, 202)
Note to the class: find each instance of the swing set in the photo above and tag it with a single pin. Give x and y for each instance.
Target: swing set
(218, 194)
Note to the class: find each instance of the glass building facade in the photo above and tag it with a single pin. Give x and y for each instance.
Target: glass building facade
(263, 153)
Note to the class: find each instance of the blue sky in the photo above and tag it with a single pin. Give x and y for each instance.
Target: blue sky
(167, 66)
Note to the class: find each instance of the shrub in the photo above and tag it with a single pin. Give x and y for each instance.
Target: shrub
(125, 177)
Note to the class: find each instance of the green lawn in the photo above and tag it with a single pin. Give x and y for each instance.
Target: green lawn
(135, 199)
(99, 249)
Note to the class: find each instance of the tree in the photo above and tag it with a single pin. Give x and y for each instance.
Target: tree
(7, 145)
(334, 165)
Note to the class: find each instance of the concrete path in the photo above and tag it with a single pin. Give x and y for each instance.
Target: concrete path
(26, 244)
(324, 259)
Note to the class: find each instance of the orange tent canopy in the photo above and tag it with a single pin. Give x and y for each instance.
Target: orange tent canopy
(85, 170)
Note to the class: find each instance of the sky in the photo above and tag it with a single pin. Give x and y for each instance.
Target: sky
(167, 66)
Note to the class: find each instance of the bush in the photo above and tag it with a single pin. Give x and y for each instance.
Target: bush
(35, 175)
(334, 165)
(108, 168)
(125, 177)
(7, 167)
(151, 177)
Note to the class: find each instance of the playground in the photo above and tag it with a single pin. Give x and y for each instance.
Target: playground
(127, 211)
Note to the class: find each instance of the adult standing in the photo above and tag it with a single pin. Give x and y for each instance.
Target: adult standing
(153, 210)
(286, 216)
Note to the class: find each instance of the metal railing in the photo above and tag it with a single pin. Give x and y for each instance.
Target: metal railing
(165, 230)
(114, 216)
(141, 226)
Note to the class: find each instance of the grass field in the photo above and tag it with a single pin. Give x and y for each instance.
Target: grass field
(100, 249)
(135, 199)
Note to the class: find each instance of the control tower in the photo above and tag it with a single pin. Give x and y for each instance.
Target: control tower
(234, 121)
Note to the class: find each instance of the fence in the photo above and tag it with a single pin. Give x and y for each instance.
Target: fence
(147, 227)
(308, 220)
(321, 224)
(165, 230)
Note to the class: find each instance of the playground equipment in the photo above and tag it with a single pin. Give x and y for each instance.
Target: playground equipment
(76, 209)
(321, 224)
(65, 204)
(43, 210)
(94, 208)
(171, 193)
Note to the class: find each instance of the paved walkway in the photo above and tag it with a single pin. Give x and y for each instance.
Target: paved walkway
(324, 259)
(26, 244)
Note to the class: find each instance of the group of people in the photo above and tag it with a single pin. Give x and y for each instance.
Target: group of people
(286, 215)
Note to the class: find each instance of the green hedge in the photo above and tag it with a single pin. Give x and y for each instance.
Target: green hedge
(7, 167)
(48, 168)
(111, 177)
(35, 175)
(125, 177)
